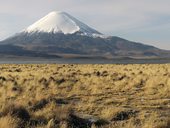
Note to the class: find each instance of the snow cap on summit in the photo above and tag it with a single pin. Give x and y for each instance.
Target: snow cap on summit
(61, 22)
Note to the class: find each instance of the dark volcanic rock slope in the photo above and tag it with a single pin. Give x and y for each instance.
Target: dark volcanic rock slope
(59, 43)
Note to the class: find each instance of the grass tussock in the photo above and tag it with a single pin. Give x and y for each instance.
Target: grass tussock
(9, 122)
(84, 96)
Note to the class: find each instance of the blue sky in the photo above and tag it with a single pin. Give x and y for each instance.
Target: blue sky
(146, 21)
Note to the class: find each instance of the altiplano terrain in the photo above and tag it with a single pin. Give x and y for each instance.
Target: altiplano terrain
(84, 96)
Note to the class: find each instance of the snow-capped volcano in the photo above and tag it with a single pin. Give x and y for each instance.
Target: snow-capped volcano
(61, 22)
(60, 35)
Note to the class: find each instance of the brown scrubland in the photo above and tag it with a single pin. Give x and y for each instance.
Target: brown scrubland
(84, 96)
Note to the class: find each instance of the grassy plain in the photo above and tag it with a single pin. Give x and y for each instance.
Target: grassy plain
(84, 96)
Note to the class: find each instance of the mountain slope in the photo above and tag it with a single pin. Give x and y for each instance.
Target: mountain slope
(61, 22)
(60, 34)
(59, 43)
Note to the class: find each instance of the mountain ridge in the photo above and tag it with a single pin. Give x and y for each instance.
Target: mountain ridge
(58, 34)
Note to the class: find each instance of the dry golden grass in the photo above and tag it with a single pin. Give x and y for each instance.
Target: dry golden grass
(54, 96)
(8, 122)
